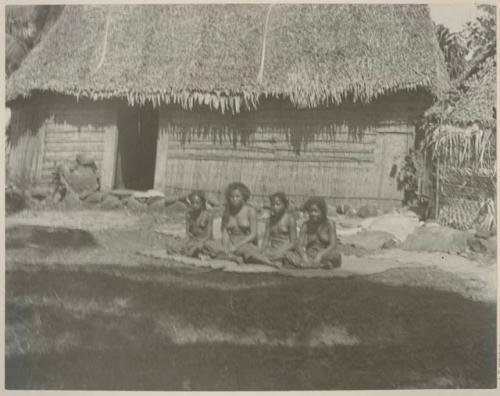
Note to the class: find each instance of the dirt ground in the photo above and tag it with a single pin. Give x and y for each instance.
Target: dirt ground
(91, 313)
(120, 235)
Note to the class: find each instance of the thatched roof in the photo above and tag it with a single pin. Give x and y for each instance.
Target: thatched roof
(227, 55)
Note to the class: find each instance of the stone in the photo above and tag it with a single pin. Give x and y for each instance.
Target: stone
(478, 245)
(171, 199)
(135, 205)
(368, 240)
(95, 198)
(437, 239)
(152, 200)
(122, 193)
(147, 196)
(110, 202)
(390, 244)
(351, 212)
(40, 192)
(343, 209)
(176, 208)
(367, 211)
(399, 224)
(158, 204)
(15, 202)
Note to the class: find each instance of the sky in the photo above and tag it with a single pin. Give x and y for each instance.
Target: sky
(453, 16)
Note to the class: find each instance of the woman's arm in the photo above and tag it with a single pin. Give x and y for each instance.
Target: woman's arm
(226, 243)
(210, 225)
(267, 234)
(292, 229)
(332, 242)
(301, 243)
(252, 219)
(188, 222)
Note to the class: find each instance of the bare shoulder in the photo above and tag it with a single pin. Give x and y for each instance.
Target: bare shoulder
(250, 210)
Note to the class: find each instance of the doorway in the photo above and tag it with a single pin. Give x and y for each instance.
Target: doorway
(137, 139)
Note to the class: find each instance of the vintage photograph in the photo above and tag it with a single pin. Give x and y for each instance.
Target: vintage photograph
(236, 197)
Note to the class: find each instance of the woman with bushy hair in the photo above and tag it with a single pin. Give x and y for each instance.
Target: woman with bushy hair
(239, 228)
(317, 243)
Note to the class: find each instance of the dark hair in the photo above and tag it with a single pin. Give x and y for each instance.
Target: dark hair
(243, 189)
(281, 196)
(320, 203)
(199, 194)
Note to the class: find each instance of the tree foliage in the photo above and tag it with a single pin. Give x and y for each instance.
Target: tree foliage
(24, 28)
(454, 50)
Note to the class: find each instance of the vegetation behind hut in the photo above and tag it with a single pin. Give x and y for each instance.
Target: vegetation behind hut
(460, 134)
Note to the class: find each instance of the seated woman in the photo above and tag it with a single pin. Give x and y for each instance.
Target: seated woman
(317, 244)
(239, 229)
(280, 235)
(199, 223)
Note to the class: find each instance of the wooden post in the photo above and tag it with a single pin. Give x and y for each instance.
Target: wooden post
(109, 157)
(41, 153)
(438, 171)
(161, 158)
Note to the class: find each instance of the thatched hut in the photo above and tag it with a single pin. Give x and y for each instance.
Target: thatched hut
(309, 99)
(461, 143)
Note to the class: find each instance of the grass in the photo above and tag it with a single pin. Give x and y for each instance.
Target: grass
(150, 328)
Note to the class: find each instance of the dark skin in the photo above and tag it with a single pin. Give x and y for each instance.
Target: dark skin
(327, 232)
(281, 221)
(195, 217)
(241, 216)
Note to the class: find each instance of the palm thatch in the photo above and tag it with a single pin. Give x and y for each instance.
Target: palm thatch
(229, 56)
(461, 136)
(461, 128)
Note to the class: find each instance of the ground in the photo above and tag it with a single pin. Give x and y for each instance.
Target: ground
(85, 311)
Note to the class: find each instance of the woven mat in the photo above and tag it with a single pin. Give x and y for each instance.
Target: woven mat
(229, 266)
(215, 264)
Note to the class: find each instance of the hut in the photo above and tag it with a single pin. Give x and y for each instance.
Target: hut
(309, 99)
(460, 144)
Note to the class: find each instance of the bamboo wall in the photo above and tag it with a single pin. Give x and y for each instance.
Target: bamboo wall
(344, 155)
(24, 145)
(51, 129)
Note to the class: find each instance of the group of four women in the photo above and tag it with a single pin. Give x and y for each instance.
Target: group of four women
(315, 246)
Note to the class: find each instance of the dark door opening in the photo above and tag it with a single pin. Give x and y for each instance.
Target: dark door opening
(137, 138)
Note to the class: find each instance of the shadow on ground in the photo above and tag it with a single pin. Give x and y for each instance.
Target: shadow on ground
(150, 328)
(49, 238)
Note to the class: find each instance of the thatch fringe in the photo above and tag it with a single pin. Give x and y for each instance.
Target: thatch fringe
(455, 146)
